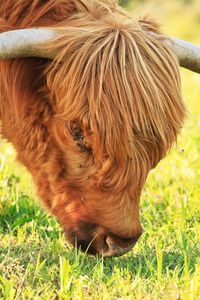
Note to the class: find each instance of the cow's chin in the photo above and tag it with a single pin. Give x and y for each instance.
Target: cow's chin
(97, 240)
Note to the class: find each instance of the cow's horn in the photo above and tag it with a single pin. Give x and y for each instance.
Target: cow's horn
(27, 43)
(188, 54)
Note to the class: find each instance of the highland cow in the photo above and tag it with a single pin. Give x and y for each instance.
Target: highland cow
(90, 124)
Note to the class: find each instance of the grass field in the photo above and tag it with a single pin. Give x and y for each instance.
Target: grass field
(37, 263)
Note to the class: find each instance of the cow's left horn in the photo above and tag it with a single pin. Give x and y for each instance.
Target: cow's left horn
(27, 43)
(188, 54)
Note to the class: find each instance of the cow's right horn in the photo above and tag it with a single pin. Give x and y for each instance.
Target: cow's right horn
(26, 43)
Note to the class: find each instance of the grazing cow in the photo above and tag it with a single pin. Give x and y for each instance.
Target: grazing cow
(90, 124)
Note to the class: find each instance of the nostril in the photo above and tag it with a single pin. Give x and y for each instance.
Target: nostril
(108, 247)
(116, 246)
(105, 247)
(113, 249)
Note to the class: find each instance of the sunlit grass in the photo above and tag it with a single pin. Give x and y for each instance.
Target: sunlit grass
(37, 263)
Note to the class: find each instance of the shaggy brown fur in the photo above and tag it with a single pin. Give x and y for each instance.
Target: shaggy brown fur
(90, 129)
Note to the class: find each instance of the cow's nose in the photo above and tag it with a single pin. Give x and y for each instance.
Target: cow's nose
(108, 246)
(116, 246)
(111, 248)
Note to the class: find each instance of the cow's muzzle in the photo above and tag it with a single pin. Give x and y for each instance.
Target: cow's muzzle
(109, 245)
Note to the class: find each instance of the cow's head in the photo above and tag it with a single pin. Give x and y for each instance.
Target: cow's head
(116, 110)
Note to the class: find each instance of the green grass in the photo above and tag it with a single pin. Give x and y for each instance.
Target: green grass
(36, 262)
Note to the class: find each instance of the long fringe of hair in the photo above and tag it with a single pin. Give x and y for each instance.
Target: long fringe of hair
(123, 83)
(111, 74)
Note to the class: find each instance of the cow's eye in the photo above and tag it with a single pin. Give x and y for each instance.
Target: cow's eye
(75, 128)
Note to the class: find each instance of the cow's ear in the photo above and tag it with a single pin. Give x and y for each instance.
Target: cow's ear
(149, 25)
